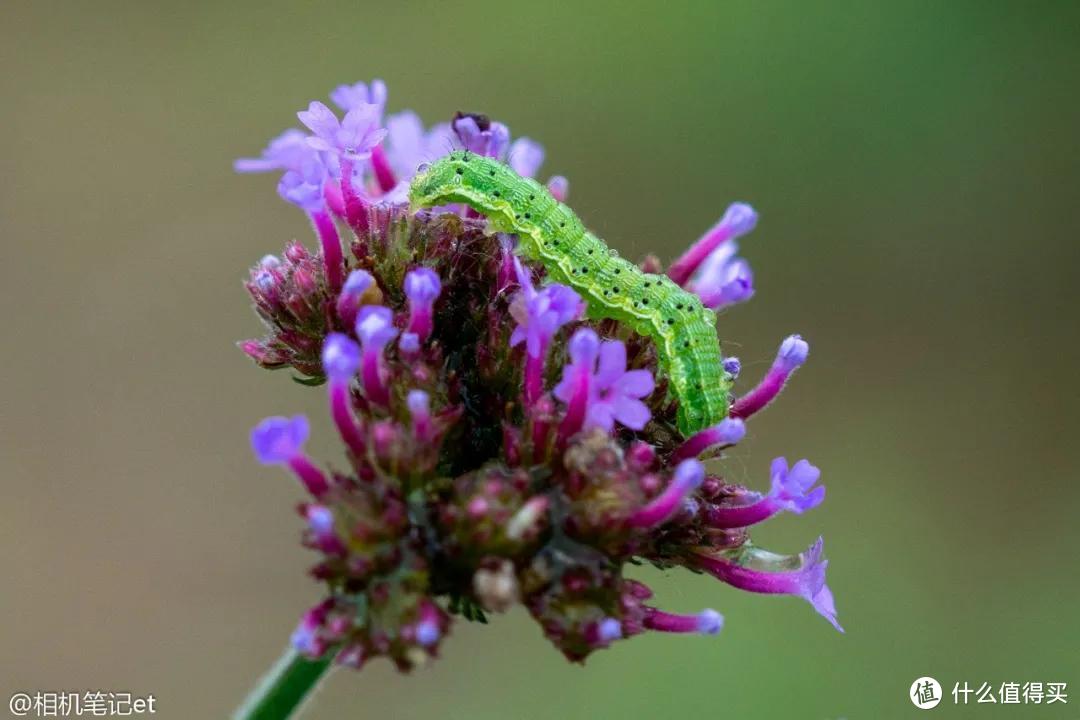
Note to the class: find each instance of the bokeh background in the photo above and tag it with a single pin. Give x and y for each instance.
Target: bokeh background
(915, 165)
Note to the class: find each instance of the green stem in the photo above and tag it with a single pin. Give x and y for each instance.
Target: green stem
(282, 690)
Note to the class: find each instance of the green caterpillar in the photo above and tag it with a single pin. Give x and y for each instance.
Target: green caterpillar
(549, 232)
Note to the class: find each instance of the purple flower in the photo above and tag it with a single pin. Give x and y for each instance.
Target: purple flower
(352, 96)
(807, 581)
(559, 187)
(584, 348)
(825, 606)
(706, 622)
(709, 622)
(618, 391)
(352, 294)
(351, 138)
(340, 357)
(687, 478)
(615, 392)
(305, 172)
(287, 151)
(280, 441)
(422, 287)
(724, 279)
(303, 187)
(320, 520)
(525, 157)
(266, 282)
(408, 144)
(790, 487)
(732, 366)
(725, 433)
(305, 637)
(792, 354)
(480, 135)
(419, 404)
(792, 491)
(427, 633)
(375, 328)
(277, 440)
(322, 525)
(540, 314)
(609, 630)
(576, 386)
(739, 219)
(409, 343)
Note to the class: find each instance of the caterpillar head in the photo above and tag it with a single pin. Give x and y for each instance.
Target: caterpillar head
(461, 176)
(426, 183)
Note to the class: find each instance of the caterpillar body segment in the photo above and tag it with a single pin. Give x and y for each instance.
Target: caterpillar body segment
(550, 233)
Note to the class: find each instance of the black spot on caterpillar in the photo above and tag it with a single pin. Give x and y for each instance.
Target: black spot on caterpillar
(549, 232)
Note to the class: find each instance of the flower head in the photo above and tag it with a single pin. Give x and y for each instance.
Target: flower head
(474, 476)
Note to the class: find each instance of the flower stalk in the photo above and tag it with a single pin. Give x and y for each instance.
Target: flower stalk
(283, 690)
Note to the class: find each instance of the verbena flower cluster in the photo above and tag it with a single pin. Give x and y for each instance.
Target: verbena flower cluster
(499, 448)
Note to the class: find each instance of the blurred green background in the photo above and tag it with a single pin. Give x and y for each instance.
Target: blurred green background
(915, 165)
